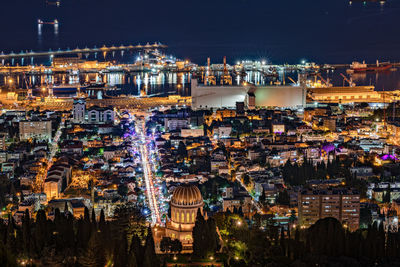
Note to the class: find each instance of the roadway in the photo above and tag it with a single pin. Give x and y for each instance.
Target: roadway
(41, 176)
(253, 201)
(147, 172)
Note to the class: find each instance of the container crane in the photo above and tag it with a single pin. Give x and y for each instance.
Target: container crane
(350, 82)
(209, 77)
(226, 78)
(326, 82)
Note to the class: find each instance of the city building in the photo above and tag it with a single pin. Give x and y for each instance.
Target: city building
(226, 96)
(79, 111)
(342, 204)
(185, 202)
(98, 115)
(92, 115)
(35, 129)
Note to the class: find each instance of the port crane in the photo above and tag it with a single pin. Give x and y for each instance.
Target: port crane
(326, 82)
(226, 78)
(350, 81)
(209, 77)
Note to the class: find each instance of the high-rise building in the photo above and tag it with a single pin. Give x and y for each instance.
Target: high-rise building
(2, 142)
(339, 203)
(330, 124)
(37, 129)
(79, 111)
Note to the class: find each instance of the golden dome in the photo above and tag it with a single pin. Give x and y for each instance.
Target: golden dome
(187, 195)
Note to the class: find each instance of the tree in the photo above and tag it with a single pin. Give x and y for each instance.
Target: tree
(26, 233)
(102, 220)
(165, 244)
(94, 219)
(283, 198)
(135, 252)
(131, 260)
(150, 257)
(6, 257)
(262, 199)
(198, 233)
(176, 246)
(212, 236)
(122, 190)
(94, 254)
(182, 151)
(386, 196)
(121, 252)
(11, 242)
(246, 179)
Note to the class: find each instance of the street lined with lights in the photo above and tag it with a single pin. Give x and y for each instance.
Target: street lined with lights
(147, 173)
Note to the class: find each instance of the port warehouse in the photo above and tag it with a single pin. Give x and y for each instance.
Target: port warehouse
(205, 96)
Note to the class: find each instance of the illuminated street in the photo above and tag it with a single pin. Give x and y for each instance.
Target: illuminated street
(41, 176)
(147, 172)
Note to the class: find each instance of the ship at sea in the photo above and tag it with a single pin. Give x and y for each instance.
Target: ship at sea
(363, 67)
(322, 91)
(68, 89)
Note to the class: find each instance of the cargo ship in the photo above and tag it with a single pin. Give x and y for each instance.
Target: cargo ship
(363, 67)
(41, 22)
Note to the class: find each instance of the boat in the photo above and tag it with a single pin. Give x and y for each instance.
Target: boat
(363, 67)
(41, 22)
(68, 89)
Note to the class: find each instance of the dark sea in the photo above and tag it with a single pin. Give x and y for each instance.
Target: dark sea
(280, 31)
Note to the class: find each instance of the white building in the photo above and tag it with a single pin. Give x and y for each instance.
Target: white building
(38, 129)
(253, 96)
(95, 114)
(79, 111)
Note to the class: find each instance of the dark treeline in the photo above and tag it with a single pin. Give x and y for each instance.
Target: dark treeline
(298, 174)
(67, 241)
(326, 243)
(205, 238)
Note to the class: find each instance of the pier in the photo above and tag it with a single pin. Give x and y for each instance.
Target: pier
(82, 51)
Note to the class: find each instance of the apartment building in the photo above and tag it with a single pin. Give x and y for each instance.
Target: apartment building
(342, 204)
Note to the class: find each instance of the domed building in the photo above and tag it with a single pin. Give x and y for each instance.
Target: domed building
(185, 202)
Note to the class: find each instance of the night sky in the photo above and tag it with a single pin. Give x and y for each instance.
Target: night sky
(279, 31)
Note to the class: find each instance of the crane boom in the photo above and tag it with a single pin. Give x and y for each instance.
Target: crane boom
(291, 80)
(322, 79)
(347, 80)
